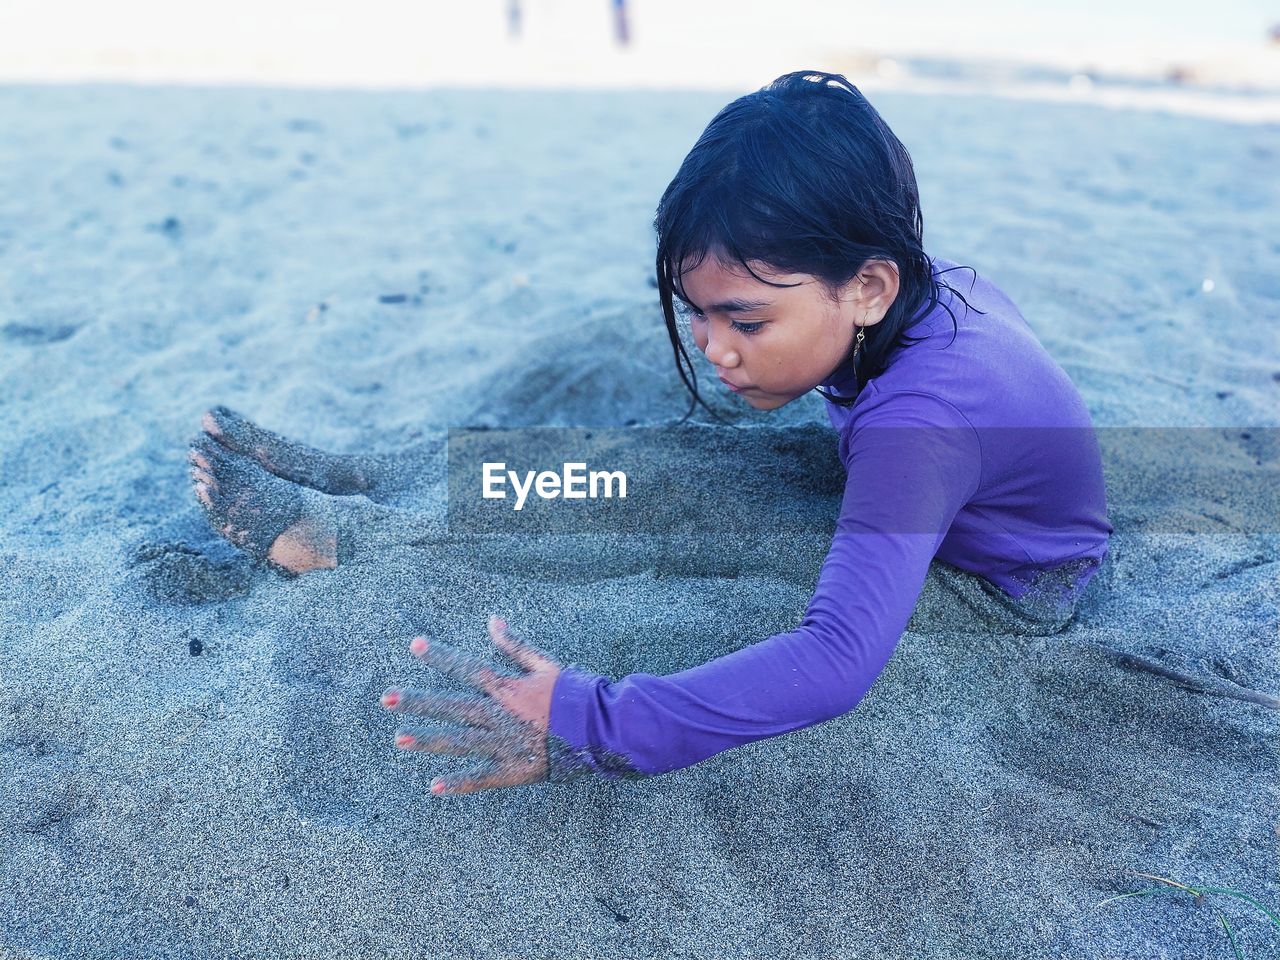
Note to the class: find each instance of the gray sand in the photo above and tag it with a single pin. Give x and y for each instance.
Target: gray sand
(193, 761)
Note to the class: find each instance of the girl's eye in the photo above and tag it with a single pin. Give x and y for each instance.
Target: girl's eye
(690, 313)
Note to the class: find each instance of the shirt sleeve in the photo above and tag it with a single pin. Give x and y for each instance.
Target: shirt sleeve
(913, 461)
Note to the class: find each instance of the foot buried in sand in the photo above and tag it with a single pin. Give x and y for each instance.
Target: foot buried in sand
(332, 473)
(269, 518)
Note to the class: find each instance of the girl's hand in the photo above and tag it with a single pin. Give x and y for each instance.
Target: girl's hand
(508, 727)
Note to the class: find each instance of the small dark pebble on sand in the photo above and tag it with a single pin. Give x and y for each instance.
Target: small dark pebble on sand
(32, 334)
(171, 226)
(195, 647)
(393, 298)
(620, 917)
(189, 900)
(1222, 394)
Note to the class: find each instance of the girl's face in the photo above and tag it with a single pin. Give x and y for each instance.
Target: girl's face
(774, 344)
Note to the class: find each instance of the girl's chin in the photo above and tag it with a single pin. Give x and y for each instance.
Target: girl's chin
(764, 401)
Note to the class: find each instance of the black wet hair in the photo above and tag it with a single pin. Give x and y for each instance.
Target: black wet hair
(803, 176)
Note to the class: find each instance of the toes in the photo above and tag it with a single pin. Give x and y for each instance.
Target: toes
(203, 478)
(202, 470)
(204, 495)
(216, 514)
(209, 424)
(221, 424)
(216, 456)
(227, 427)
(243, 503)
(207, 464)
(207, 448)
(210, 494)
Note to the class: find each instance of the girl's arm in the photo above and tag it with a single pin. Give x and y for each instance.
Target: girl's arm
(913, 461)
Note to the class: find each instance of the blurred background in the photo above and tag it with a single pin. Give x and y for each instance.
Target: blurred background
(1220, 59)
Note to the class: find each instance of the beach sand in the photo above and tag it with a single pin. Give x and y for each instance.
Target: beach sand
(193, 760)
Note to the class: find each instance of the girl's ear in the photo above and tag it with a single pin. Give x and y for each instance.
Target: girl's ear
(874, 289)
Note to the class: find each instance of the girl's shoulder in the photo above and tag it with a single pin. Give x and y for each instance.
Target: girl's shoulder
(964, 297)
(975, 351)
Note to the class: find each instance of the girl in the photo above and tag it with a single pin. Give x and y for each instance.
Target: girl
(791, 240)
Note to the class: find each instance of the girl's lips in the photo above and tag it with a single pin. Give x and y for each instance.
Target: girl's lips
(735, 389)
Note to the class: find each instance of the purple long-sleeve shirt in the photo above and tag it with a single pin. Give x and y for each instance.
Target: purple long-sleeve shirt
(972, 446)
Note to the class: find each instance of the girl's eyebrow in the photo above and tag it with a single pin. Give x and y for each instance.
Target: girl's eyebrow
(735, 305)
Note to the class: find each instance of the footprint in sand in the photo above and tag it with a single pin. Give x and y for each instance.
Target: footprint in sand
(180, 574)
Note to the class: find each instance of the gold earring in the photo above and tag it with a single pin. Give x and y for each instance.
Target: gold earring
(857, 345)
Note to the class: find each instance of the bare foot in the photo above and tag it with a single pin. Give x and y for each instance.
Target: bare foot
(267, 517)
(333, 473)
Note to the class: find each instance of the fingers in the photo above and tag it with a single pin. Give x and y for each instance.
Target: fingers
(439, 739)
(482, 778)
(457, 665)
(458, 708)
(522, 653)
(488, 728)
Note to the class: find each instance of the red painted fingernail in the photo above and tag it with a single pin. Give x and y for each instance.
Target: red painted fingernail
(404, 740)
(418, 646)
(500, 623)
(437, 787)
(391, 698)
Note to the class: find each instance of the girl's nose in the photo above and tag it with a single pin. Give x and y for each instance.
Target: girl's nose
(718, 354)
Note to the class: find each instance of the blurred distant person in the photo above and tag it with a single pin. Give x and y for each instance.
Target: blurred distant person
(621, 32)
